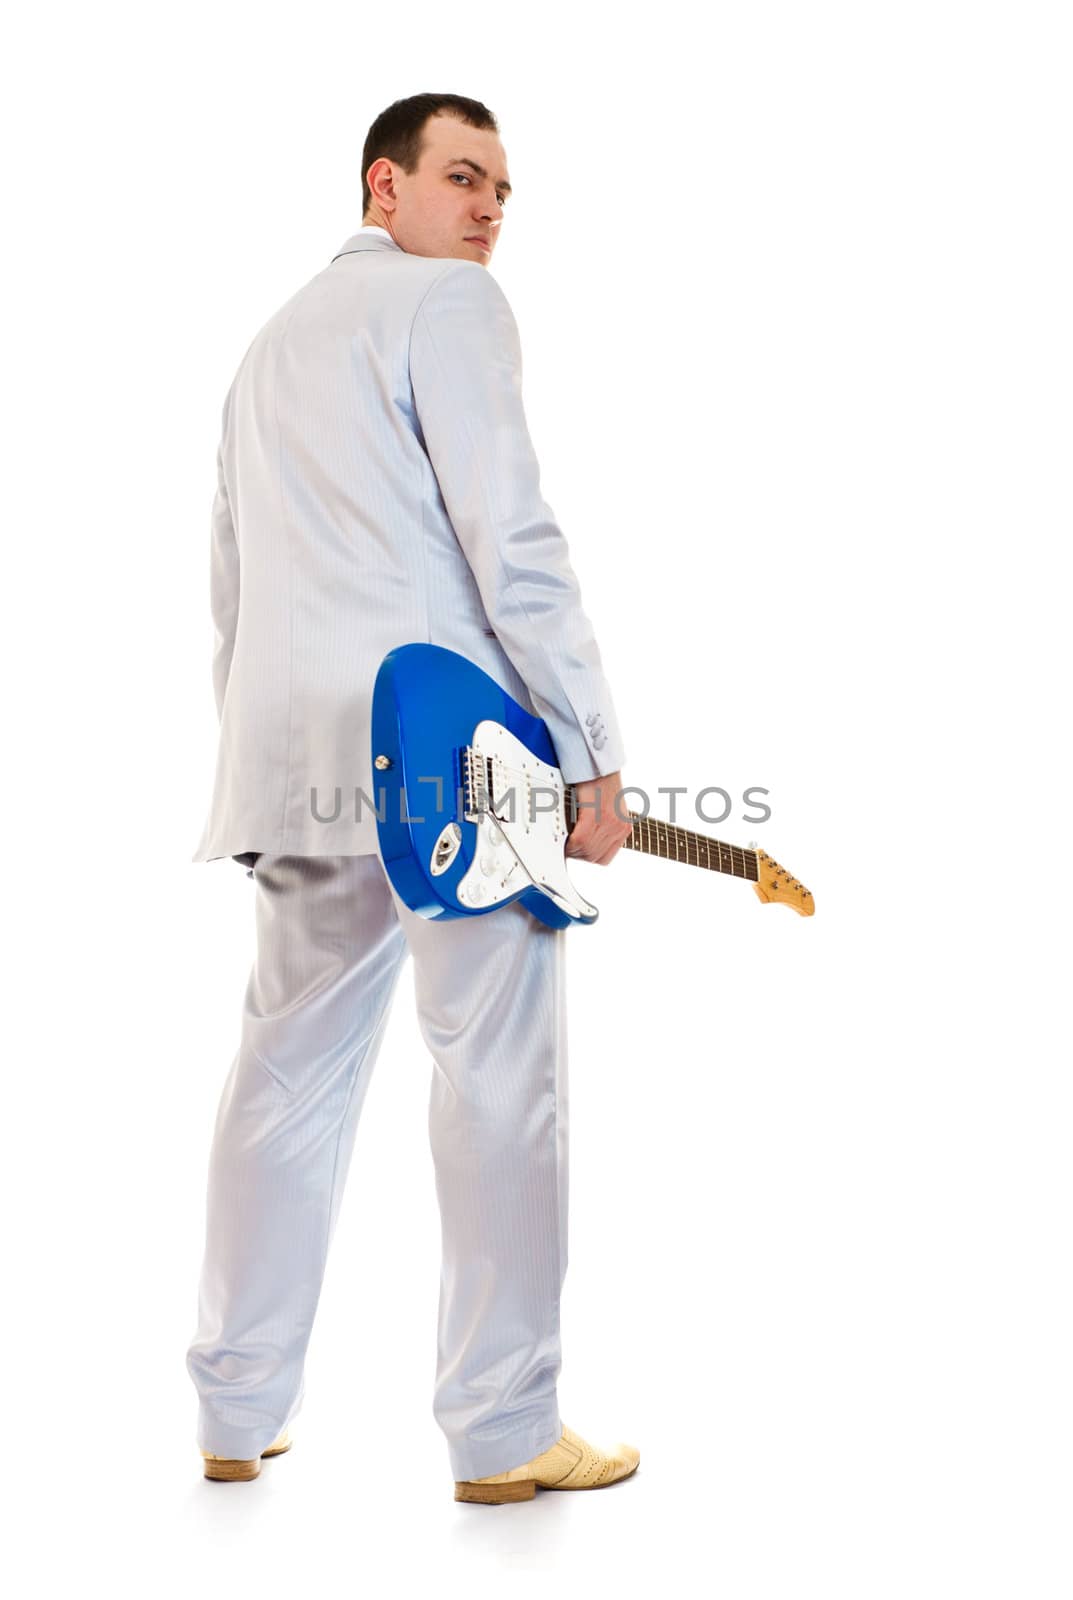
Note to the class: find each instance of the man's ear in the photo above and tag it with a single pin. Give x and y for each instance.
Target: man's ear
(382, 183)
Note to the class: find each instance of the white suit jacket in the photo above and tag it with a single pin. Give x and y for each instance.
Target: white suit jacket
(376, 486)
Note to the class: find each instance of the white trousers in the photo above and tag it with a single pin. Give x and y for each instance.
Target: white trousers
(332, 938)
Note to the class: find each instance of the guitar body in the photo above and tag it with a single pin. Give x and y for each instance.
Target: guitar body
(472, 812)
(443, 859)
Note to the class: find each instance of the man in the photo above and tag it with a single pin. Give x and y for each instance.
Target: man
(377, 485)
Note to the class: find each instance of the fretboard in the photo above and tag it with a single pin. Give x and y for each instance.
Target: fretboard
(667, 839)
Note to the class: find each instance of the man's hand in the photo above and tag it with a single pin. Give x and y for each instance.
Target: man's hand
(599, 832)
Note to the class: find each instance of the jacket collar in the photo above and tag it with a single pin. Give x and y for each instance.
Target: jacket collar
(368, 237)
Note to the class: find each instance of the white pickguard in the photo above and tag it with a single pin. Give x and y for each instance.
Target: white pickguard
(524, 843)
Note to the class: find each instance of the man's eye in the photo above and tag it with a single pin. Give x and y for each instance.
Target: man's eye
(502, 198)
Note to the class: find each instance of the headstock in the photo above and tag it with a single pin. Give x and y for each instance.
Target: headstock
(775, 883)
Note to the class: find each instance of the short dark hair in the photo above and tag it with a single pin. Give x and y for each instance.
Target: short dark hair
(398, 132)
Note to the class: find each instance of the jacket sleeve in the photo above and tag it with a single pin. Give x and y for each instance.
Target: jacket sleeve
(223, 583)
(466, 372)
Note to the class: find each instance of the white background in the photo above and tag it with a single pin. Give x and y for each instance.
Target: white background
(793, 289)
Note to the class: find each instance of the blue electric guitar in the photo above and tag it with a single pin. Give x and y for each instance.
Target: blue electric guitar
(472, 811)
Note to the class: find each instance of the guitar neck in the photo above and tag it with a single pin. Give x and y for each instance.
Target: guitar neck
(658, 838)
(667, 839)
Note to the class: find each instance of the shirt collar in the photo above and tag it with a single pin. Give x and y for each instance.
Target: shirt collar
(368, 237)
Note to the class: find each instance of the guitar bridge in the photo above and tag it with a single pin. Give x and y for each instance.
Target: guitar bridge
(476, 783)
(486, 785)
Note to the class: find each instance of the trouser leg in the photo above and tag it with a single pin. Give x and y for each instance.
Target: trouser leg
(491, 1007)
(329, 952)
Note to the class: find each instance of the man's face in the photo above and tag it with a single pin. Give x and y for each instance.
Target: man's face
(453, 201)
